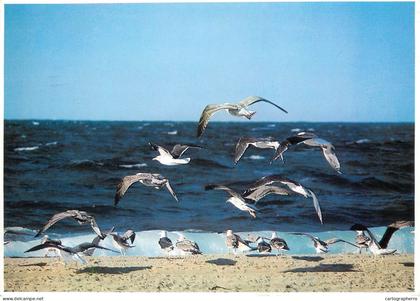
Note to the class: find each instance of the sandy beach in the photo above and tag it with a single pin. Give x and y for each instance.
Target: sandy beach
(227, 273)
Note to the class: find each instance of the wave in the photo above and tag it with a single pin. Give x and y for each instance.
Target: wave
(133, 165)
(172, 132)
(255, 157)
(146, 243)
(26, 148)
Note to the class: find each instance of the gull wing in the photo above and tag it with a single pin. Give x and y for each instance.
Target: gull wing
(165, 242)
(268, 180)
(95, 227)
(301, 137)
(253, 99)
(225, 188)
(45, 245)
(316, 204)
(179, 149)
(313, 238)
(241, 147)
(208, 111)
(383, 243)
(284, 145)
(129, 234)
(85, 246)
(55, 218)
(125, 183)
(162, 151)
(168, 186)
(263, 191)
(335, 240)
(328, 151)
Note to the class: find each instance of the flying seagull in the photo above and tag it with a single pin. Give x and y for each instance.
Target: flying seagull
(154, 180)
(235, 199)
(164, 242)
(239, 109)
(67, 253)
(173, 157)
(380, 248)
(245, 142)
(187, 246)
(80, 216)
(320, 245)
(264, 186)
(122, 243)
(235, 242)
(310, 139)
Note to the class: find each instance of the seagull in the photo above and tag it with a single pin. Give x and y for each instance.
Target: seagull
(122, 242)
(278, 243)
(80, 216)
(67, 253)
(362, 241)
(187, 246)
(320, 245)
(263, 246)
(239, 110)
(310, 139)
(380, 248)
(155, 180)
(235, 242)
(235, 199)
(173, 157)
(245, 142)
(165, 243)
(263, 187)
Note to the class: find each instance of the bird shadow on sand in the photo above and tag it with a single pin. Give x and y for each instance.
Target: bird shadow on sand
(408, 264)
(111, 270)
(40, 264)
(338, 267)
(222, 261)
(308, 258)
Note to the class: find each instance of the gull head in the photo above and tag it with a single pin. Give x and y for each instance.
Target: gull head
(229, 233)
(163, 234)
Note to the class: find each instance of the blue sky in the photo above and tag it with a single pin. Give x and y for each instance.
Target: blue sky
(320, 61)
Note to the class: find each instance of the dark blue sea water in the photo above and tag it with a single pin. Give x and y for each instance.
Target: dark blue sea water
(52, 166)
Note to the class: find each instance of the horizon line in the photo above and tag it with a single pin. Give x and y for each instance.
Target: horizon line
(215, 121)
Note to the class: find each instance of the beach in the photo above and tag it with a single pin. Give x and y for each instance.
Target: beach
(214, 273)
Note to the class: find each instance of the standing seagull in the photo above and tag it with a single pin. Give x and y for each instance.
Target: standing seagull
(165, 243)
(122, 242)
(310, 139)
(154, 180)
(235, 242)
(68, 253)
(187, 246)
(245, 142)
(263, 246)
(380, 248)
(80, 216)
(239, 109)
(173, 157)
(259, 190)
(278, 243)
(235, 199)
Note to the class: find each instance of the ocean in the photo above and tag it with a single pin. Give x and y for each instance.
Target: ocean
(53, 166)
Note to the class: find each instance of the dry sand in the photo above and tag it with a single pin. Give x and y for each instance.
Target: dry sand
(227, 273)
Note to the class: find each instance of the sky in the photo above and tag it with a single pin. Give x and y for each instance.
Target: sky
(351, 62)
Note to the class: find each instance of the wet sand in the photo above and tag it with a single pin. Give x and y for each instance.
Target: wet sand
(224, 273)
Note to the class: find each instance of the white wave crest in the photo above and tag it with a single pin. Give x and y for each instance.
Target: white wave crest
(26, 148)
(133, 165)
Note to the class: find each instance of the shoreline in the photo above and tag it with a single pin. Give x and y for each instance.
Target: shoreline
(214, 273)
